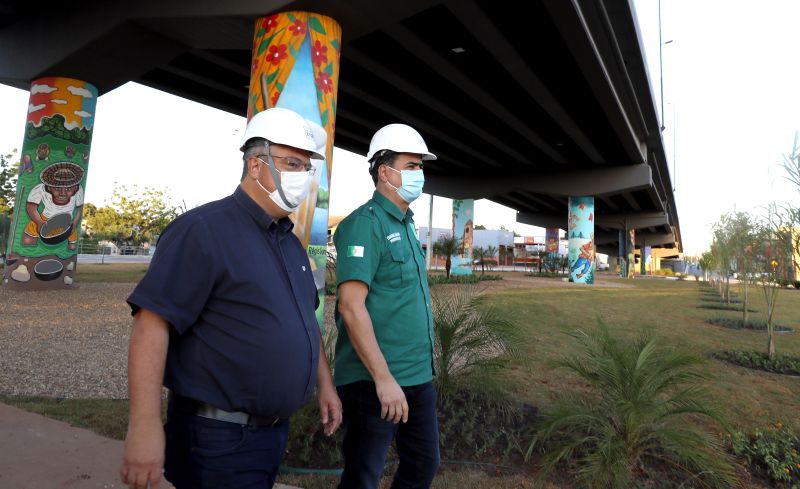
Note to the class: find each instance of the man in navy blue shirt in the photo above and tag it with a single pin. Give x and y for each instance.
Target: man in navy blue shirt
(225, 319)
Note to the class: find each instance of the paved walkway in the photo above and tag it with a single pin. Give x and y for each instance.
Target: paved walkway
(42, 453)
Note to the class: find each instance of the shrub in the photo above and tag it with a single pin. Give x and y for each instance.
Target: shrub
(781, 364)
(460, 279)
(666, 272)
(475, 426)
(473, 343)
(636, 416)
(736, 323)
(773, 453)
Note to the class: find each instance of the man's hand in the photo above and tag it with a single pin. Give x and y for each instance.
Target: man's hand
(330, 409)
(143, 459)
(393, 400)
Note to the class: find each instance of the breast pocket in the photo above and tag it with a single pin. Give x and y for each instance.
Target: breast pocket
(399, 263)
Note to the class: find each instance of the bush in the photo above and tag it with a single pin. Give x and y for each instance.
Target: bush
(725, 307)
(545, 274)
(781, 364)
(475, 426)
(773, 453)
(666, 272)
(460, 279)
(736, 323)
(636, 417)
(308, 447)
(474, 344)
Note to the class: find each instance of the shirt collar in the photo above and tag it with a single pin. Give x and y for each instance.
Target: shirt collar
(391, 208)
(258, 214)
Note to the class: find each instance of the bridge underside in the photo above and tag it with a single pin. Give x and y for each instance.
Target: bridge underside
(524, 110)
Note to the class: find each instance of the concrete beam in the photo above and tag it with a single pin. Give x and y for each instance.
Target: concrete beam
(650, 239)
(613, 221)
(595, 182)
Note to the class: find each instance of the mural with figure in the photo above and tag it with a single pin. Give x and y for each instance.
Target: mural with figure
(463, 231)
(581, 239)
(295, 65)
(54, 161)
(630, 245)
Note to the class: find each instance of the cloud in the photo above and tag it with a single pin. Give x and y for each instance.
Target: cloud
(79, 91)
(71, 125)
(59, 101)
(82, 113)
(33, 108)
(42, 89)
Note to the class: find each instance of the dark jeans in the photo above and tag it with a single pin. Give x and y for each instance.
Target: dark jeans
(205, 453)
(367, 438)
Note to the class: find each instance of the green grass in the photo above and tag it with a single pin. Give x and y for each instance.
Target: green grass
(751, 399)
(110, 272)
(108, 417)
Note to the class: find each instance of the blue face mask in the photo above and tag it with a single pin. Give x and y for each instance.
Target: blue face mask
(411, 188)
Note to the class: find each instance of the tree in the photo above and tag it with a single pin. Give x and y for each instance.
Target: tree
(484, 255)
(706, 262)
(133, 217)
(9, 172)
(446, 246)
(771, 256)
(742, 238)
(480, 227)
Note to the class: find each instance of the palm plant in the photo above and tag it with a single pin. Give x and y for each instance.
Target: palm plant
(473, 342)
(636, 417)
(446, 246)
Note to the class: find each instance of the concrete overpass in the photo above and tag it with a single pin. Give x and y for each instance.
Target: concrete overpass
(524, 110)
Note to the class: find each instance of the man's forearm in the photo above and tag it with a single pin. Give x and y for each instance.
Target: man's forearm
(324, 377)
(146, 360)
(362, 337)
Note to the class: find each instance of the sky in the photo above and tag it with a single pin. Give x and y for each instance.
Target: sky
(731, 101)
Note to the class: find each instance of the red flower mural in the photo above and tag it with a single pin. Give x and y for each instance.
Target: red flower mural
(319, 53)
(274, 99)
(298, 28)
(269, 23)
(324, 83)
(277, 53)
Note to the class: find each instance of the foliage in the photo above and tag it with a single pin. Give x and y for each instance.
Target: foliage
(446, 246)
(307, 446)
(474, 344)
(780, 364)
(666, 272)
(545, 274)
(736, 323)
(772, 452)
(8, 183)
(461, 279)
(636, 416)
(484, 256)
(132, 218)
(54, 126)
(476, 426)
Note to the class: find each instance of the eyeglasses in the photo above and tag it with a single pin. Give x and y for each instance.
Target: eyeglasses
(291, 164)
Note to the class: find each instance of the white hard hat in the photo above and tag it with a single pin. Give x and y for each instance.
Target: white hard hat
(399, 138)
(283, 126)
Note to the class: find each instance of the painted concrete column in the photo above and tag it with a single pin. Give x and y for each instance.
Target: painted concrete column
(463, 225)
(621, 254)
(54, 162)
(295, 65)
(581, 239)
(630, 252)
(551, 247)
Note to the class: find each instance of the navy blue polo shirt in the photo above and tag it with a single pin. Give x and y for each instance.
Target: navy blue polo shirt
(237, 290)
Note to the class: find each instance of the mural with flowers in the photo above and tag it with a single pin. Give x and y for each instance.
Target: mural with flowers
(295, 65)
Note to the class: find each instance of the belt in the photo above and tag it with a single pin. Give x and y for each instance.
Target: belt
(205, 410)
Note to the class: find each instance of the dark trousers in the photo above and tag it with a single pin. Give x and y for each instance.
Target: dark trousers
(367, 438)
(205, 453)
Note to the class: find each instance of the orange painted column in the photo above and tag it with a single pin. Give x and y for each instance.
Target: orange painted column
(295, 65)
(48, 208)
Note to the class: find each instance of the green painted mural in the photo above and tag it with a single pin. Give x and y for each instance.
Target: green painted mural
(54, 163)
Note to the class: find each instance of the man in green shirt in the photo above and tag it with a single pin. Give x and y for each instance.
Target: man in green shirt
(384, 354)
